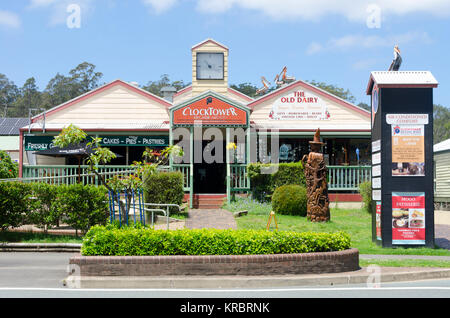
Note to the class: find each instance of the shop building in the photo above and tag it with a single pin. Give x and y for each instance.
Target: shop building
(204, 118)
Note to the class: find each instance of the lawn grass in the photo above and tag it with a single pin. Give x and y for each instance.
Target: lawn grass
(404, 263)
(357, 223)
(33, 237)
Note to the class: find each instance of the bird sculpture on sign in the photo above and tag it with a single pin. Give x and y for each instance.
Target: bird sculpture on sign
(315, 170)
(397, 61)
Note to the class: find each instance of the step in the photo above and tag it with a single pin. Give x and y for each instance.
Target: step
(208, 201)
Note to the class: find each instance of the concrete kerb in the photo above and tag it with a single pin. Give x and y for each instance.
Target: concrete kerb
(362, 276)
(40, 247)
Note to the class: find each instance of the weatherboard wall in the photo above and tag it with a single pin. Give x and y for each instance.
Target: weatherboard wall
(442, 176)
(117, 105)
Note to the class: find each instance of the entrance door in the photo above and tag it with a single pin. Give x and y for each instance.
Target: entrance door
(210, 177)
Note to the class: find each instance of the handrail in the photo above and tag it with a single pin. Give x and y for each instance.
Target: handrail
(167, 205)
(157, 210)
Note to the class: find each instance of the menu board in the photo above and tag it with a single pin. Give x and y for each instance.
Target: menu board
(408, 150)
(408, 218)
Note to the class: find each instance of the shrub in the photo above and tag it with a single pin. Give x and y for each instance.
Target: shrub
(83, 205)
(264, 183)
(44, 210)
(290, 199)
(8, 168)
(109, 240)
(14, 203)
(164, 187)
(365, 189)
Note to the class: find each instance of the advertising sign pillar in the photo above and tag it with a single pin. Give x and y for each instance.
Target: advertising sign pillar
(402, 158)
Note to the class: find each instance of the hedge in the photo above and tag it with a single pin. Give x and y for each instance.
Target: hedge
(290, 199)
(79, 206)
(263, 183)
(14, 204)
(8, 168)
(164, 187)
(139, 241)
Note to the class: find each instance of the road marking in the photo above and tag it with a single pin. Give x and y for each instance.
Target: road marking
(216, 290)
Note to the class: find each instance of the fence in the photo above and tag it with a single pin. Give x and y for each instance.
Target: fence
(341, 178)
(347, 178)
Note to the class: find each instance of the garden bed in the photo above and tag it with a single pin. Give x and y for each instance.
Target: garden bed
(141, 251)
(248, 265)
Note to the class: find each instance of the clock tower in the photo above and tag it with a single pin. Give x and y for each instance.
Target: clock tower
(209, 67)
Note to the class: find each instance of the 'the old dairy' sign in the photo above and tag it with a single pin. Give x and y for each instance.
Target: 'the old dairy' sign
(299, 105)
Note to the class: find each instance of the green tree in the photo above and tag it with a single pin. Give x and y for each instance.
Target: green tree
(85, 78)
(29, 97)
(8, 95)
(246, 88)
(154, 87)
(335, 90)
(364, 106)
(61, 88)
(441, 124)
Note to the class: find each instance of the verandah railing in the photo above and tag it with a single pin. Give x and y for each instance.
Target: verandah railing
(239, 180)
(347, 178)
(70, 174)
(185, 169)
(340, 178)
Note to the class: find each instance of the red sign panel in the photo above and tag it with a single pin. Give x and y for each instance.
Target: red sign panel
(408, 218)
(210, 110)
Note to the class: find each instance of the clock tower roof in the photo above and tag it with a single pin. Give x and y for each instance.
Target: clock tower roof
(209, 41)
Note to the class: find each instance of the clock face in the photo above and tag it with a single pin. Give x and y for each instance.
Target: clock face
(210, 65)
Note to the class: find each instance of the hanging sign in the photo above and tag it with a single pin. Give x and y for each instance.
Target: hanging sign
(408, 218)
(408, 150)
(36, 143)
(210, 111)
(299, 105)
(407, 119)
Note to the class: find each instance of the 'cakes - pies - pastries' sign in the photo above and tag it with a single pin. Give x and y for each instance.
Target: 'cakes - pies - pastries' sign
(210, 111)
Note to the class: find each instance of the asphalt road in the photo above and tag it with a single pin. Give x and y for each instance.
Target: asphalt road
(40, 275)
(33, 270)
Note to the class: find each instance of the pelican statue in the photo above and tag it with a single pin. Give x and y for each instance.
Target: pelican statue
(397, 61)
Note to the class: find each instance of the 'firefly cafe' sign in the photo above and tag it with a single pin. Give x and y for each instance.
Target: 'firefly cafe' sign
(299, 105)
(35, 143)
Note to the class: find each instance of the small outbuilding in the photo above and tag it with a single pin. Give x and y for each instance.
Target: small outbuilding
(442, 174)
(9, 135)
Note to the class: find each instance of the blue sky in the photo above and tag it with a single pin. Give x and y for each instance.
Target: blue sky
(337, 42)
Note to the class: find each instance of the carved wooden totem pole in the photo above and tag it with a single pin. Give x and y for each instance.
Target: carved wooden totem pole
(316, 182)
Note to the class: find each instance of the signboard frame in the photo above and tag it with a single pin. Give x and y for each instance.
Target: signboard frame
(401, 106)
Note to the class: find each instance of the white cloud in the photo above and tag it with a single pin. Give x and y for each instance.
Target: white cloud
(160, 6)
(314, 10)
(40, 3)
(9, 20)
(365, 64)
(314, 48)
(58, 8)
(358, 41)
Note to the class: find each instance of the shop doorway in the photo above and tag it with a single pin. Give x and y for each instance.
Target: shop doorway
(210, 177)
